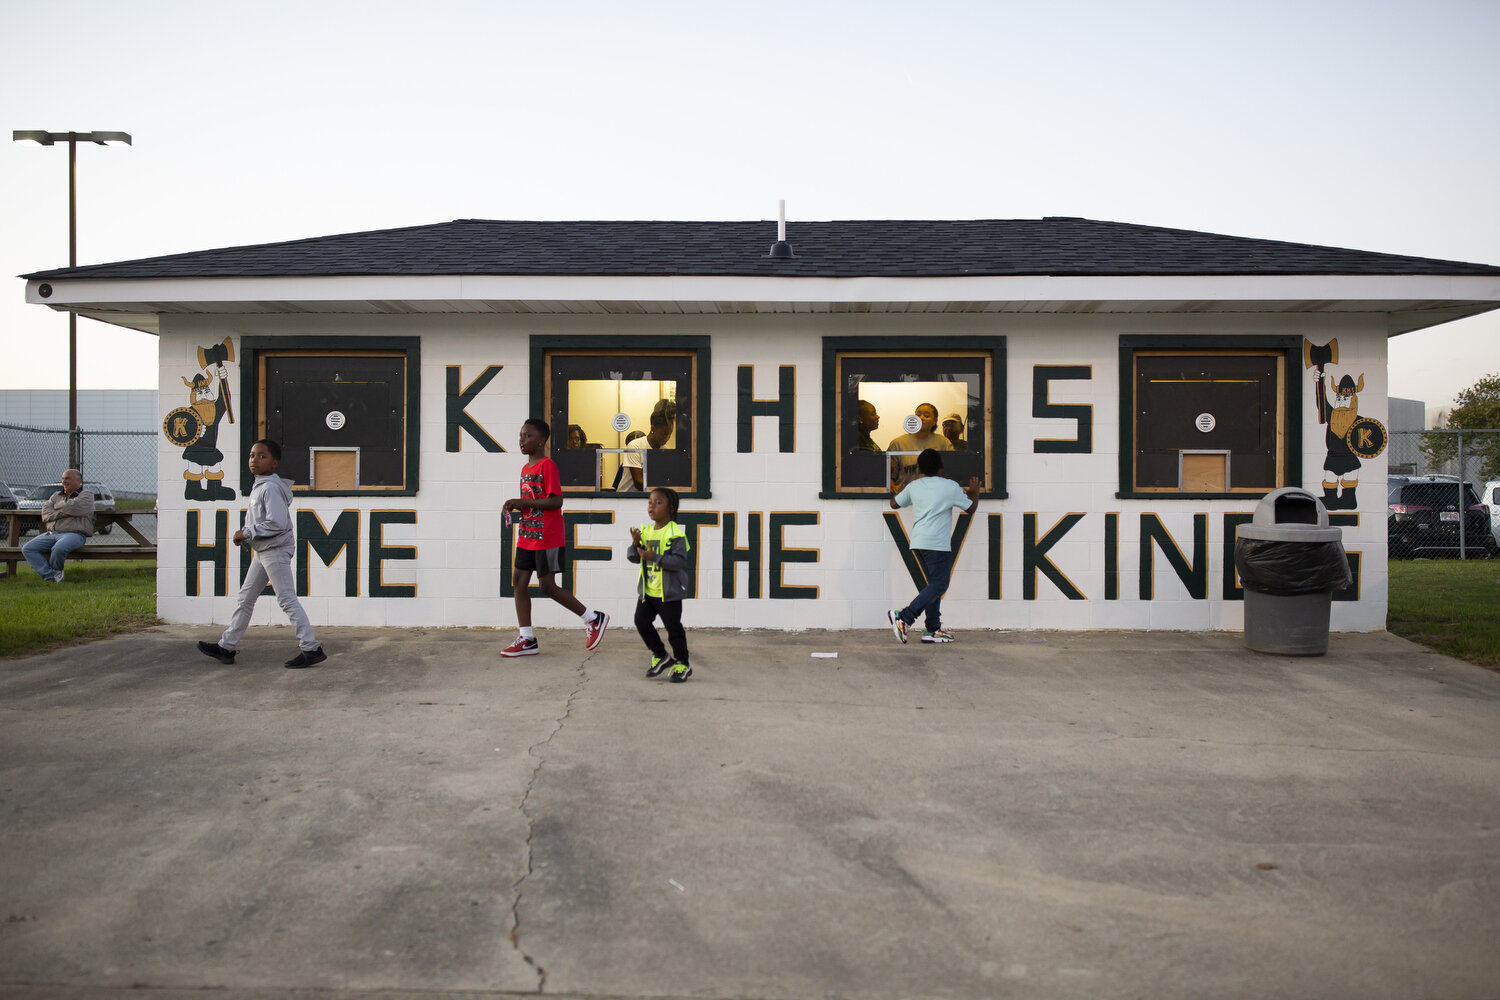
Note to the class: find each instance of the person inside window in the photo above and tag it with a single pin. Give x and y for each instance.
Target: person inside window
(663, 421)
(628, 479)
(953, 430)
(905, 467)
(663, 417)
(869, 422)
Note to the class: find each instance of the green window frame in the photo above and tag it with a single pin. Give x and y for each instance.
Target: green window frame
(561, 364)
(969, 370)
(264, 364)
(1228, 407)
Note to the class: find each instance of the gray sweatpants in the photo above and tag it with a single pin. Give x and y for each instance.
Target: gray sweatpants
(274, 564)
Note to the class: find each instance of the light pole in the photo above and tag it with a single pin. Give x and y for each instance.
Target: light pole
(72, 139)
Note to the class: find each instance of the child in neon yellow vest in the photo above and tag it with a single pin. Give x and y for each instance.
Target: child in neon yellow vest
(661, 548)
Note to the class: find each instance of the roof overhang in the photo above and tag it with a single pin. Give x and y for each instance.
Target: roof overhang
(1408, 302)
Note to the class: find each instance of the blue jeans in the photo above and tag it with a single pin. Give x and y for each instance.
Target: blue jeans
(938, 565)
(47, 552)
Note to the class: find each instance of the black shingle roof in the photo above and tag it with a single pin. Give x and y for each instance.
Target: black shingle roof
(1051, 246)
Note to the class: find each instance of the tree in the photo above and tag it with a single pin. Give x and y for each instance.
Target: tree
(1475, 408)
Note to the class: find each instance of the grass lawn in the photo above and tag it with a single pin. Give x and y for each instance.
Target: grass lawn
(97, 599)
(1449, 606)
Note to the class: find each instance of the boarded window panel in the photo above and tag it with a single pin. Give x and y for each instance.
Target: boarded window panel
(337, 402)
(1240, 392)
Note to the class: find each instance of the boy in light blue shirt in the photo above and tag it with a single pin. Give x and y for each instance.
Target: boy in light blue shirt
(933, 499)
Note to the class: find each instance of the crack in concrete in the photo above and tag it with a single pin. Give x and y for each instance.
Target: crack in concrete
(518, 888)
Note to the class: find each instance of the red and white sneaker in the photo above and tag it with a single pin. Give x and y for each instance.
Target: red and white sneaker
(521, 647)
(595, 629)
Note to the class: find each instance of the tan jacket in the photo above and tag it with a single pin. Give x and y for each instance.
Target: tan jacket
(62, 514)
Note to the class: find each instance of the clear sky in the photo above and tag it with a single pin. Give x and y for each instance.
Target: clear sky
(1365, 124)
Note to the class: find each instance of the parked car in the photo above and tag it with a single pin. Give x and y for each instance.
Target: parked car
(1491, 499)
(8, 496)
(103, 500)
(1425, 515)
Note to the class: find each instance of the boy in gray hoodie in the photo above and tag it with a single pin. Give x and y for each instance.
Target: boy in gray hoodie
(268, 532)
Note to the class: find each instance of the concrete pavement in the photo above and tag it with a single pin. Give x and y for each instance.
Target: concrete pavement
(1013, 815)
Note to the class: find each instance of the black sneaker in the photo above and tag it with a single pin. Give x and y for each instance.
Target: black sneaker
(306, 659)
(217, 651)
(660, 663)
(681, 672)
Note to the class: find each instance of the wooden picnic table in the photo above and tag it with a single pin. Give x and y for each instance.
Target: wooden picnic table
(141, 547)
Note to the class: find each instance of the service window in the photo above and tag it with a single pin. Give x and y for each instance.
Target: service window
(627, 413)
(1207, 420)
(887, 398)
(346, 417)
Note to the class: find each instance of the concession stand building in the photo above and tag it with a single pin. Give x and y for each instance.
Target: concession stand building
(1126, 394)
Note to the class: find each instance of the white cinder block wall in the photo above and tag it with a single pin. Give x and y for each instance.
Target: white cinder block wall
(859, 573)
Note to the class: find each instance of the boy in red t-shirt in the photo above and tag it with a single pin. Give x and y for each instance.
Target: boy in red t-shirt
(539, 542)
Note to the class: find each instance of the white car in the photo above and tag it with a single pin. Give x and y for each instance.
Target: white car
(1491, 499)
(103, 500)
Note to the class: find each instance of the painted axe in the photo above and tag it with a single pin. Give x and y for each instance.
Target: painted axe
(220, 353)
(1312, 354)
(1315, 356)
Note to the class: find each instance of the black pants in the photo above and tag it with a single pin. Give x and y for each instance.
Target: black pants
(646, 610)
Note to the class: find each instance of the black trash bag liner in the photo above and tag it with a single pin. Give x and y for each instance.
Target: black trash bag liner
(1283, 569)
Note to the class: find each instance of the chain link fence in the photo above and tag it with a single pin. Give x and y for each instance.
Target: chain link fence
(1443, 491)
(1443, 494)
(122, 462)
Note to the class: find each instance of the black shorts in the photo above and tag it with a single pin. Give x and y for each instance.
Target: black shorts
(542, 562)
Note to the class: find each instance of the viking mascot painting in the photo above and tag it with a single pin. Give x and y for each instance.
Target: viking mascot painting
(1350, 437)
(195, 427)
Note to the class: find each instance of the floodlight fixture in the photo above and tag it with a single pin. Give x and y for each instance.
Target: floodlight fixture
(49, 138)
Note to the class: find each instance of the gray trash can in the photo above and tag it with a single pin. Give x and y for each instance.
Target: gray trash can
(1290, 560)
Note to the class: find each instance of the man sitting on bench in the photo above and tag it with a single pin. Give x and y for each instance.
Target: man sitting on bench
(67, 522)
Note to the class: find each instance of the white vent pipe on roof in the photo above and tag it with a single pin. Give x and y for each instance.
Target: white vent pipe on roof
(781, 249)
